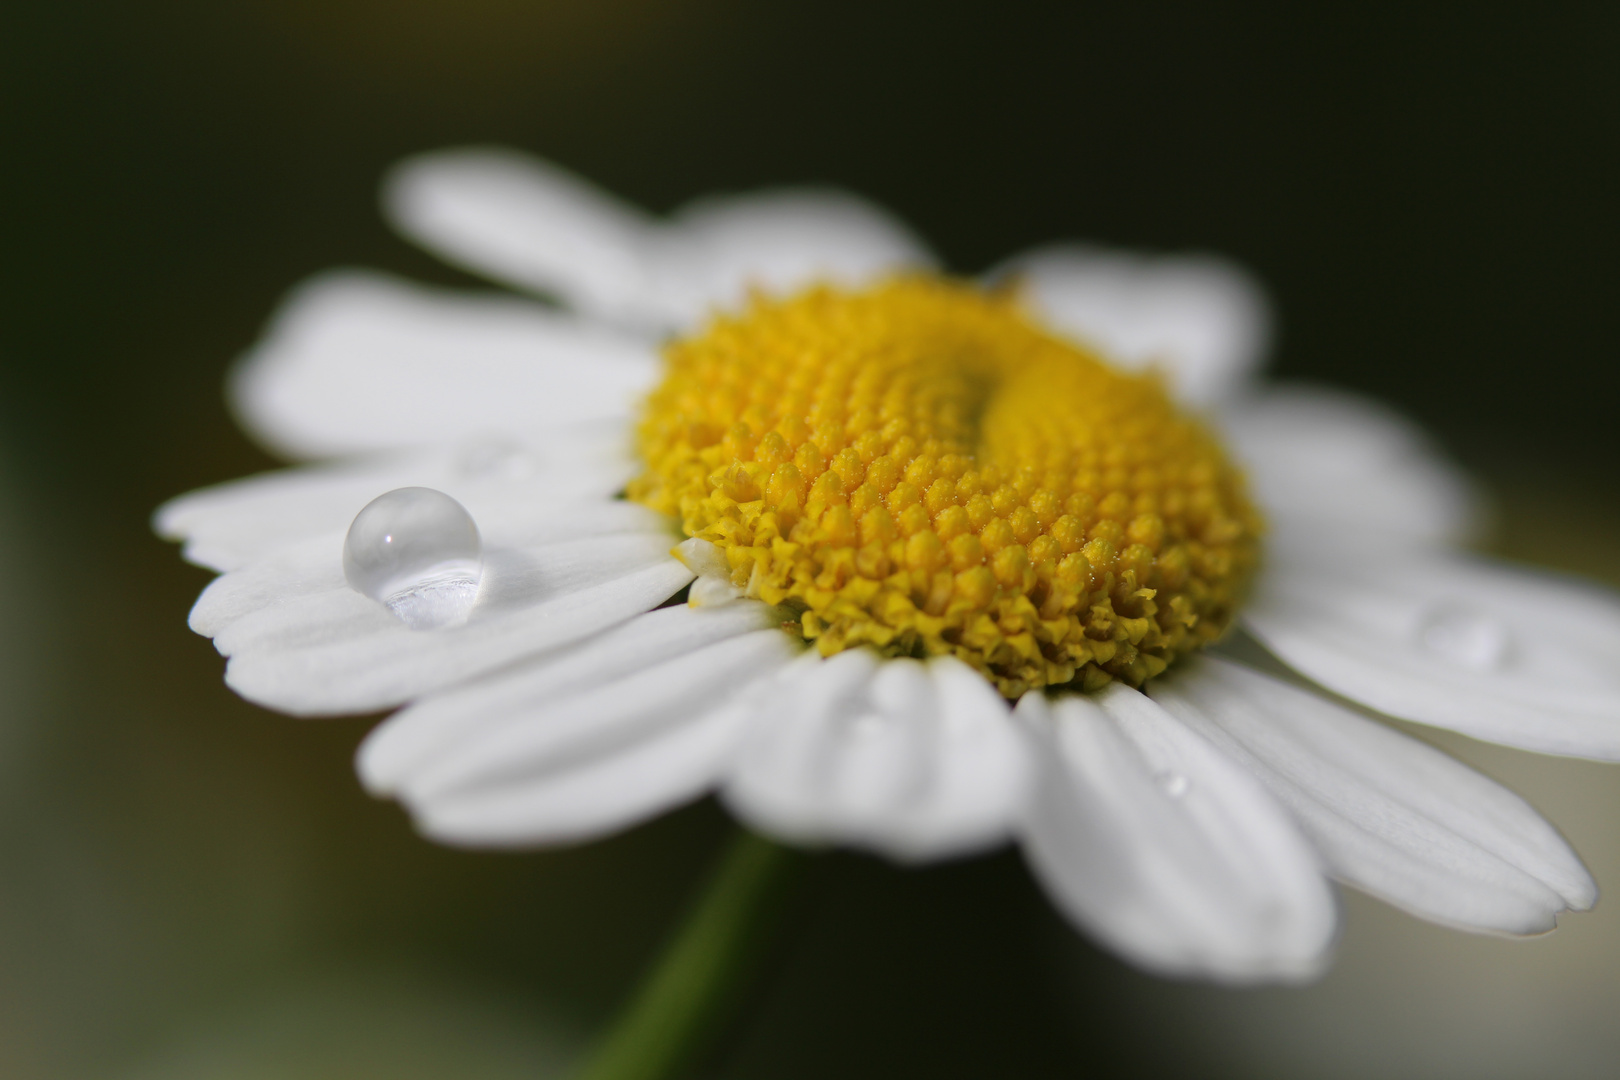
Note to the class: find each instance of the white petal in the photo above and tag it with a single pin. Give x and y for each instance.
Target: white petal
(982, 763)
(530, 223)
(526, 222)
(315, 565)
(1499, 653)
(1392, 816)
(593, 798)
(336, 651)
(230, 525)
(1326, 465)
(717, 249)
(1201, 319)
(417, 736)
(593, 762)
(1166, 850)
(597, 720)
(355, 362)
(916, 761)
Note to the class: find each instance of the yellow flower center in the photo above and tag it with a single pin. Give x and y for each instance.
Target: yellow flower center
(920, 468)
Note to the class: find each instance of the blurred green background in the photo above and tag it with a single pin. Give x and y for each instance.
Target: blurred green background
(191, 887)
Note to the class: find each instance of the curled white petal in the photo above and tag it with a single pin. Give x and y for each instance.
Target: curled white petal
(1327, 465)
(355, 362)
(527, 222)
(1500, 653)
(499, 481)
(594, 797)
(1201, 319)
(1168, 852)
(1392, 816)
(714, 251)
(915, 760)
(600, 720)
(417, 736)
(308, 567)
(577, 765)
(335, 651)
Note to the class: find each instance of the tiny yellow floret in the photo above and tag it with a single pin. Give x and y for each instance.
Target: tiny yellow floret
(920, 468)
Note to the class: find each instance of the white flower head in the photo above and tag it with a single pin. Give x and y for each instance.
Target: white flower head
(1186, 808)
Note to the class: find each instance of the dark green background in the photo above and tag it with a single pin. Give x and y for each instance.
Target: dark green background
(190, 886)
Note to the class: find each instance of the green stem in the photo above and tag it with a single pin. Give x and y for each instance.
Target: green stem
(684, 997)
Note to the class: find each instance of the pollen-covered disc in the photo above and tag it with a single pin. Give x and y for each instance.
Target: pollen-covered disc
(920, 468)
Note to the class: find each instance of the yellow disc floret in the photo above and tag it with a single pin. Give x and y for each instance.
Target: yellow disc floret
(920, 468)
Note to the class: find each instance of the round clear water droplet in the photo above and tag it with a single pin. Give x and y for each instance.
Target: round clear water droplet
(1174, 784)
(1466, 638)
(416, 551)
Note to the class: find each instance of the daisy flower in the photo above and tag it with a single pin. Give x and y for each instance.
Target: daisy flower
(1033, 559)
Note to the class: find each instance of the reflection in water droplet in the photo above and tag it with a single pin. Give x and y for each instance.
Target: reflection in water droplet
(417, 551)
(1475, 641)
(1175, 784)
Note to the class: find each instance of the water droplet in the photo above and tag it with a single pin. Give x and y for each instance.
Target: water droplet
(416, 551)
(1467, 638)
(1174, 784)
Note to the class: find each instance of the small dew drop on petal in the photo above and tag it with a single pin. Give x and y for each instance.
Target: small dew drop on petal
(1466, 638)
(417, 552)
(1174, 784)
